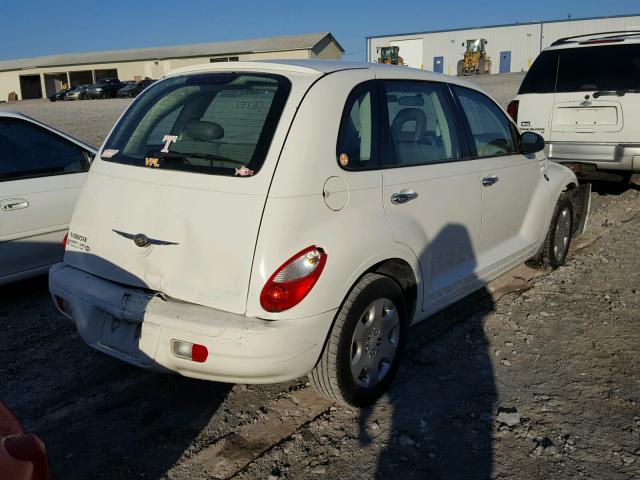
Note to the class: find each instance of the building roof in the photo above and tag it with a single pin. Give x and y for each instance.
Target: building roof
(538, 22)
(273, 44)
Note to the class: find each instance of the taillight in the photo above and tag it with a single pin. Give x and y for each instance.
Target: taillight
(64, 241)
(290, 283)
(604, 40)
(512, 110)
(189, 351)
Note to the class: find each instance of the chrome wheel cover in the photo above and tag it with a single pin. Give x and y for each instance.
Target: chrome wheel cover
(374, 344)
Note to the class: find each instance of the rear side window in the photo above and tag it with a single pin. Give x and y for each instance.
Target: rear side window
(492, 131)
(358, 133)
(541, 77)
(584, 69)
(420, 123)
(217, 123)
(28, 151)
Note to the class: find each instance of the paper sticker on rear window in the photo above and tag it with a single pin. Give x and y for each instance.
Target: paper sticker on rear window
(108, 153)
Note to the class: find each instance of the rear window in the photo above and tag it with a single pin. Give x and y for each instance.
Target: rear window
(214, 123)
(606, 67)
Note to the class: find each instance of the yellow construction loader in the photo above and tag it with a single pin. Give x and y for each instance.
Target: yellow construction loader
(476, 61)
(389, 55)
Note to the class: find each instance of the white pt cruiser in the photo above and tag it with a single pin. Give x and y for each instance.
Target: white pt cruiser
(256, 222)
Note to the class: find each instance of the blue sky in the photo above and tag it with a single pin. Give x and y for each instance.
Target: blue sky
(29, 27)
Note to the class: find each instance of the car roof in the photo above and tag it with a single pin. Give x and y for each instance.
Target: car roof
(8, 113)
(325, 67)
(597, 39)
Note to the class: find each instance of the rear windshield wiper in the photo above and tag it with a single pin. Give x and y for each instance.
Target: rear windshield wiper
(616, 93)
(184, 157)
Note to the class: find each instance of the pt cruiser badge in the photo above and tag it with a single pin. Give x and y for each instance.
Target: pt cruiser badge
(141, 240)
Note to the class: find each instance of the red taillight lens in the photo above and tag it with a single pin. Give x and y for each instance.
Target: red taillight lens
(604, 40)
(64, 241)
(512, 110)
(293, 280)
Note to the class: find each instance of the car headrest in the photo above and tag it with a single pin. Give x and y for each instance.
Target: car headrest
(405, 116)
(203, 131)
(411, 101)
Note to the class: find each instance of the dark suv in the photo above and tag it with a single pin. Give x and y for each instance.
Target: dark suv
(105, 88)
(133, 89)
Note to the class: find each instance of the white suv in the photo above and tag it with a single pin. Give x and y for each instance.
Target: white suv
(582, 95)
(254, 222)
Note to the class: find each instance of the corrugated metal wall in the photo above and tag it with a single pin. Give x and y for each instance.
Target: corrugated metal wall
(554, 31)
(524, 41)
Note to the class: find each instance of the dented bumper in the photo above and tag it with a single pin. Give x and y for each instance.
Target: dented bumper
(139, 326)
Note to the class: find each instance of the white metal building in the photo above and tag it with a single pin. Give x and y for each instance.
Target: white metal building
(512, 48)
(40, 77)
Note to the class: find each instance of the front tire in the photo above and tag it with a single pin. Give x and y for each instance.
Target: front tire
(362, 353)
(556, 245)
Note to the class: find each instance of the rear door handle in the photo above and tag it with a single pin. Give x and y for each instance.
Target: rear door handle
(403, 196)
(10, 204)
(490, 180)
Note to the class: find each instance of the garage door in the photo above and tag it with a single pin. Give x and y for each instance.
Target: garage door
(410, 51)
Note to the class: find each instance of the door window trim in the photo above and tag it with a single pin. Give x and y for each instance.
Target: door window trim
(470, 141)
(86, 163)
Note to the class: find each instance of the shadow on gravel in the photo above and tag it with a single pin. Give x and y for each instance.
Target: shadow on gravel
(99, 417)
(444, 398)
(606, 188)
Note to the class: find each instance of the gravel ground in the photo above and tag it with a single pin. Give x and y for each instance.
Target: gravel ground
(536, 380)
(86, 120)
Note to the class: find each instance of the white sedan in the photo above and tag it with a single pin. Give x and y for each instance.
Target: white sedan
(41, 172)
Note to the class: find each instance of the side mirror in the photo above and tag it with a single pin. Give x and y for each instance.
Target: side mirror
(531, 142)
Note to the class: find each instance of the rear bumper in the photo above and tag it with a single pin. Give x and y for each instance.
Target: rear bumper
(604, 156)
(138, 327)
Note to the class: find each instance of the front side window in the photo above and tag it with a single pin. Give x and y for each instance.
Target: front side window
(492, 131)
(215, 123)
(29, 151)
(357, 138)
(420, 123)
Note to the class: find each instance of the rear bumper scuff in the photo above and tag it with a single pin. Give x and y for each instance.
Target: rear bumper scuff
(137, 327)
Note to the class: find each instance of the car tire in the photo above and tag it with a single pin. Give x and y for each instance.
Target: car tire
(556, 245)
(363, 350)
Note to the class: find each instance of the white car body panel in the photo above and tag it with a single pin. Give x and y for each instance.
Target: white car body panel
(209, 284)
(447, 239)
(31, 233)
(212, 219)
